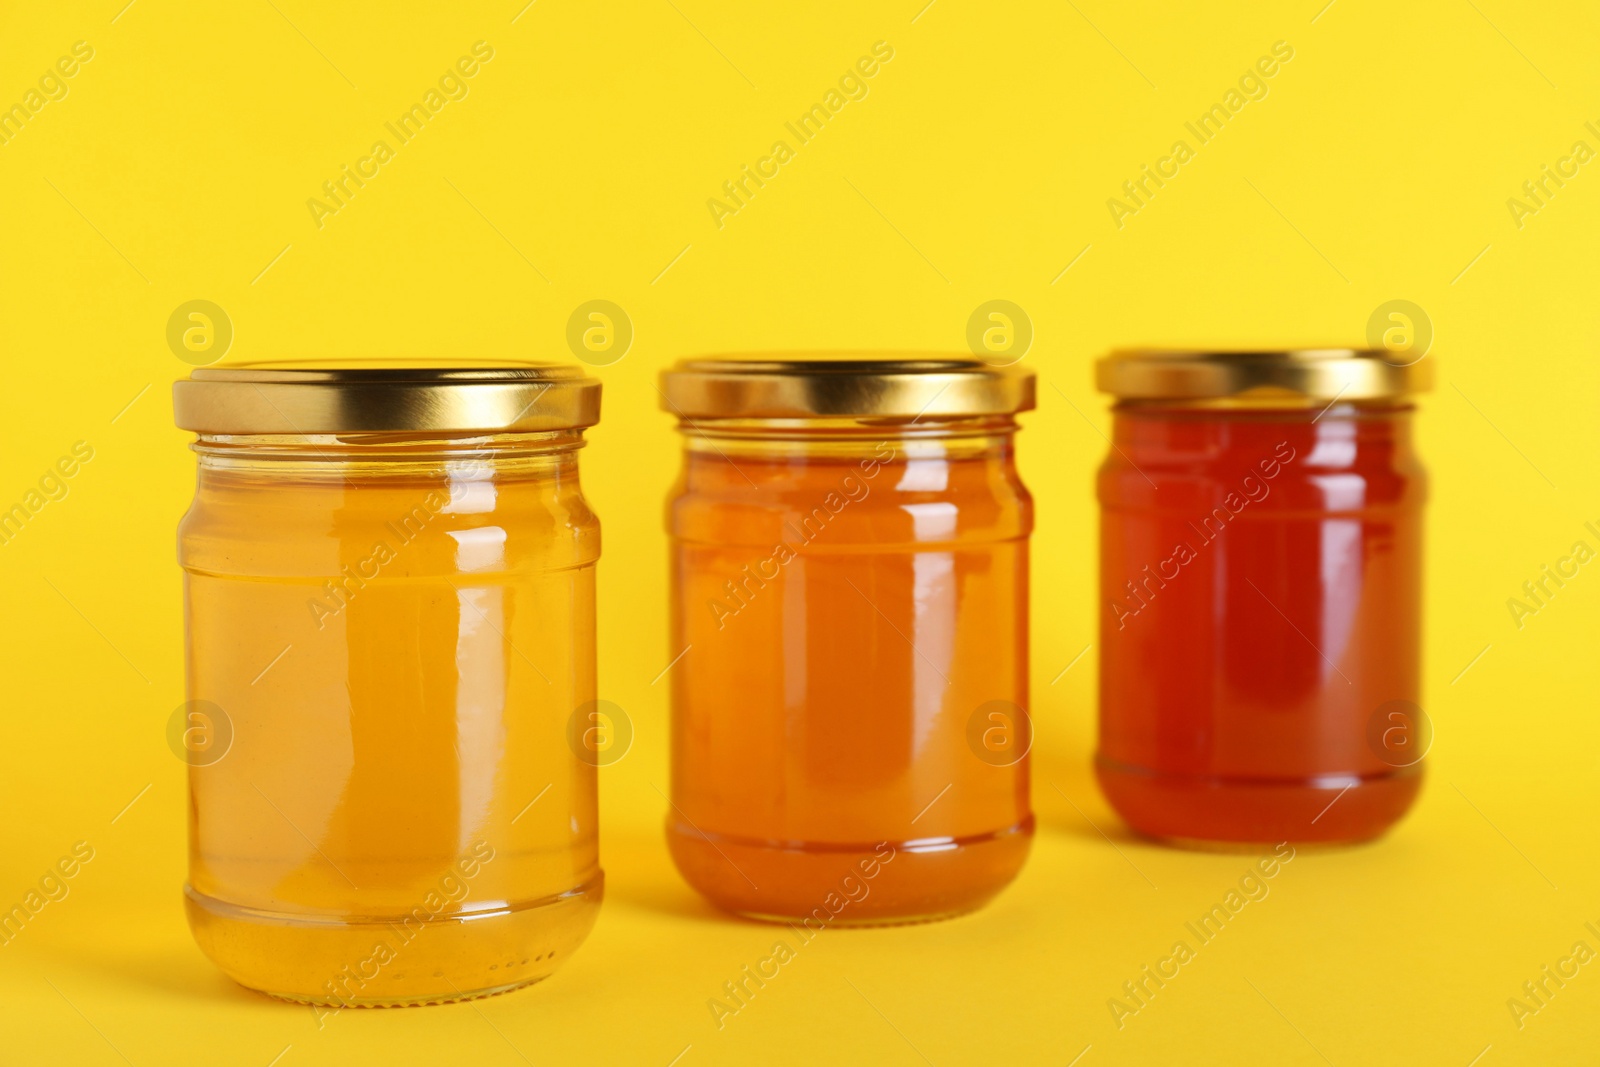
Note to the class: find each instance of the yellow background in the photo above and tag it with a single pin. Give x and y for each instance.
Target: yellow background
(978, 167)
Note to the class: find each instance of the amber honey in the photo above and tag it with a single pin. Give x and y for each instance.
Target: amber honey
(849, 726)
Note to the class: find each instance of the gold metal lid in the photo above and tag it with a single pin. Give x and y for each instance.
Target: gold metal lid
(1284, 376)
(844, 385)
(375, 396)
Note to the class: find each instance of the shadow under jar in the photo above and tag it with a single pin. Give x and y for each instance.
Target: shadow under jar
(389, 586)
(850, 612)
(1261, 583)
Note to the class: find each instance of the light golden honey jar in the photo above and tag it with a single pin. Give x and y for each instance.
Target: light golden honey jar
(389, 585)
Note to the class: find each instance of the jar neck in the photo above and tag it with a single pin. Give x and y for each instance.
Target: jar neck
(1308, 409)
(849, 438)
(379, 454)
(1337, 437)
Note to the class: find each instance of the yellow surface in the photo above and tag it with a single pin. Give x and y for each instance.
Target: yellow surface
(1378, 167)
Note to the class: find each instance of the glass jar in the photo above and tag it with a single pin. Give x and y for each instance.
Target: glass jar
(1261, 582)
(389, 587)
(850, 626)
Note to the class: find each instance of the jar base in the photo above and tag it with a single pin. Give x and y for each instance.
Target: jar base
(390, 1002)
(1216, 812)
(862, 923)
(376, 962)
(922, 881)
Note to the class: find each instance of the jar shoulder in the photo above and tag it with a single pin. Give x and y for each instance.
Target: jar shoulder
(914, 500)
(418, 529)
(1272, 467)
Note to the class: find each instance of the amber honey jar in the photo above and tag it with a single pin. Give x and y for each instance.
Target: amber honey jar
(849, 555)
(389, 589)
(1261, 594)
